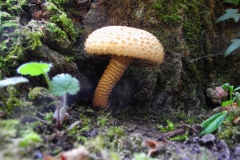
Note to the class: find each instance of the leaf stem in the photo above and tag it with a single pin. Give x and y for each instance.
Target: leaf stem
(65, 101)
(47, 79)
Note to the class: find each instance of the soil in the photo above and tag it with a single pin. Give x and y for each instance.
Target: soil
(130, 135)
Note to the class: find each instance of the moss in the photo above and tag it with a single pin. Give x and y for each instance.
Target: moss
(18, 34)
(230, 131)
(103, 120)
(169, 12)
(115, 132)
(38, 94)
(178, 24)
(18, 136)
(59, 17)
(194, 68)
(22, 35)
(184, 14)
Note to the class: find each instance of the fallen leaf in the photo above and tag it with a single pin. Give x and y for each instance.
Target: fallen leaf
(153, 146)
(233, 107)
(236, 120)
(207, 138)
(80, 153)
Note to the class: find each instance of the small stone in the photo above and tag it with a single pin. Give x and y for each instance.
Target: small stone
(237, 151)
(133, 128)
(207, 138)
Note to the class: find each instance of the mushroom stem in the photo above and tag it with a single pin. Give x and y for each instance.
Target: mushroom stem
(114, 71)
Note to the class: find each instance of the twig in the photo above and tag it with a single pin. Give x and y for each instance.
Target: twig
(39, 119)
(61, 133)
(73, 125)
(207, 56)
(172, 133)
(187, 126)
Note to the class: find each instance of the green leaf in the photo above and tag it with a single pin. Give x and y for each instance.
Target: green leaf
(64, 83)
(12, 81)
(226, 86)
(210, 120)
(170, 125)
(235, 44)
(235, 2)
(225, 103)
(230, 13)
(212, 123)
(34, 68)
(237, 100)
(236, 89)
(229, 118)
(4, 15)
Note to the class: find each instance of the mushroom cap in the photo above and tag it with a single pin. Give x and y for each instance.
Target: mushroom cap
(127, 42)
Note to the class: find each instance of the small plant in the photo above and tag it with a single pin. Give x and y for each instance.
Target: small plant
(35, 69)
(60, 85)
(215, 121)
(233, 94)
(235, 15)
(170, 127)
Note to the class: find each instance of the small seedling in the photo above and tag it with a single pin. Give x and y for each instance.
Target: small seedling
(35, 69)
(232, 94)
(235, 15)
(215, 121)
(60, 85)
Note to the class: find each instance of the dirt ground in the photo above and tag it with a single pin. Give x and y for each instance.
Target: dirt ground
(130, 135)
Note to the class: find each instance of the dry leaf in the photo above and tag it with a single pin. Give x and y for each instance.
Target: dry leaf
(232, 107)
(153, 146)
(80, 153)
(236, 120)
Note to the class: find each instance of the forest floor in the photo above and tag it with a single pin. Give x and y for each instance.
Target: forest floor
(99, 135)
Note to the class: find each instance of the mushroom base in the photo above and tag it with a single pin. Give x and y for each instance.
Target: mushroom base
(114, 71)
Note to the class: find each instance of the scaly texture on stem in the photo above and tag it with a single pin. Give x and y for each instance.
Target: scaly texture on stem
(115, 69)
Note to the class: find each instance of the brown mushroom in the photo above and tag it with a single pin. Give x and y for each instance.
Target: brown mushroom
(124, 44)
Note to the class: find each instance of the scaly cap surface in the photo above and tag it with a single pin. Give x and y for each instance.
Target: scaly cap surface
(125, 41)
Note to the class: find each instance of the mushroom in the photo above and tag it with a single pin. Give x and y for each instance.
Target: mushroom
(124, 45)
